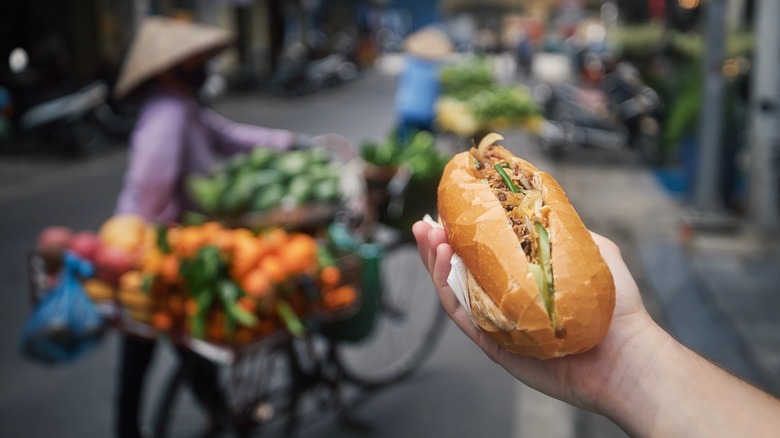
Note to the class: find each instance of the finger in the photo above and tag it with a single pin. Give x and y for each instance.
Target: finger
(420, 230)
(436, 237)
(626, 287)
(432, 245)
(457, 313)
(462, 318)
(606, 246)
(611, 254)
(451, 304)
(441, 269)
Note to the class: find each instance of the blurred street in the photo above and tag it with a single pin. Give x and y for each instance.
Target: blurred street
(714, 297)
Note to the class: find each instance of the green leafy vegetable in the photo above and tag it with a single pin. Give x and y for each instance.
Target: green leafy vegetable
(290, 319)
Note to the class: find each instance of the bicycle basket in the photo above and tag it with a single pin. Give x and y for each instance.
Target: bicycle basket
(360, 325)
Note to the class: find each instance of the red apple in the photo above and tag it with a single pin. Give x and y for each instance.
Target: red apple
(52, 242)
(112, 262)
(85, 244)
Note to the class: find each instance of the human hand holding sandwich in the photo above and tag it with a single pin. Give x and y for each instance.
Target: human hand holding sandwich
(636, 374)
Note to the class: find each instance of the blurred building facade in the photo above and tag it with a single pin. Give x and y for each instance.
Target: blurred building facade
(93, 34)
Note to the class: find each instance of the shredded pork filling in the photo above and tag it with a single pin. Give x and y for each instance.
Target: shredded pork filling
(523, 209)
(523, 204)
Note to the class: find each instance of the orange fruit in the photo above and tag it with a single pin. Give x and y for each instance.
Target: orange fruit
(131, 281)
(211, 228)
(162, 321)
(152, 261)
(191, 307)
(125, 231)
(169, 268)
(256, 283)
(186, 241)
(330, 276)
(242, 233)
(275, 238)
(248, 303)
(307, 244)
(299, 253)
(273, 268)
(246, 254)
(340, 297)
(224, 240)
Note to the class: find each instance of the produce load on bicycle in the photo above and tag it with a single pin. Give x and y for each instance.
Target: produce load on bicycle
(402, 176)
(296, 190)
(228, 286)
(472, 102)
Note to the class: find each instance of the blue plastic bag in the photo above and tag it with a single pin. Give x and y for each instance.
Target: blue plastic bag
(65, 324)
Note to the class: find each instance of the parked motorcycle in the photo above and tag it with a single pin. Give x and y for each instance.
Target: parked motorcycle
(67, 119)
(619, 112)
(307, 68)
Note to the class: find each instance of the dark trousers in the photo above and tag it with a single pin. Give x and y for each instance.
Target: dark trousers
(200, 373)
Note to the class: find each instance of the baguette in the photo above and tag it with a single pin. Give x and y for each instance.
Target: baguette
(537, 283)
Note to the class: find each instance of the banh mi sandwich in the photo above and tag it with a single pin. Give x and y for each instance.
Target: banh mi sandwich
(537, 283)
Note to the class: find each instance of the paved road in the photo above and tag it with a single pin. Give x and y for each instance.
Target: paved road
(458, 393)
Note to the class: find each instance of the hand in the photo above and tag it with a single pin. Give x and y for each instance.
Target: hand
(338, 144)
(585, 380)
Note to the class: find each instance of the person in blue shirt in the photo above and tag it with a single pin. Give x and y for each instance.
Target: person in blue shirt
(418, 85)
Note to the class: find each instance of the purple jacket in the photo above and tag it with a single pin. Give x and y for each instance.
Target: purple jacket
(175, 137)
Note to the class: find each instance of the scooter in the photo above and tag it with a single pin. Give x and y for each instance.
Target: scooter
(307, 68)
(619, 112)
(71, 121)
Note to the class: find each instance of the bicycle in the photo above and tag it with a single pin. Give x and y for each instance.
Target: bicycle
(275, 382)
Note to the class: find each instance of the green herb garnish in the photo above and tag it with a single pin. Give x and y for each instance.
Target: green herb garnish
(509, 183)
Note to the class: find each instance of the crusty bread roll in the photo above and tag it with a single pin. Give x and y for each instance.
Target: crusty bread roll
(500, 240)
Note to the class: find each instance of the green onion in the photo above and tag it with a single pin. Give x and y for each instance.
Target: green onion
(477, 164)
(512, 187)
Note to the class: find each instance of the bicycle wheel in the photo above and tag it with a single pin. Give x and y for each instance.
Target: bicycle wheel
(257, 390)
(408, 324)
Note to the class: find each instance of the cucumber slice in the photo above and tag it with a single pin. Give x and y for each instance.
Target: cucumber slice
(544, 286)
(544, 251)
(543, 272)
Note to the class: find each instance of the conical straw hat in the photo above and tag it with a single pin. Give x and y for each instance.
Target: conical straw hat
(161, 43)
(428, 43)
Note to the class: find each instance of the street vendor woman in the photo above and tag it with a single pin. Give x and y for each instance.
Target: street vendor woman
(419, 85)
(175, 136)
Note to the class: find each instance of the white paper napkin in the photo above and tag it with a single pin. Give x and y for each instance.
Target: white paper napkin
(458, 277)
